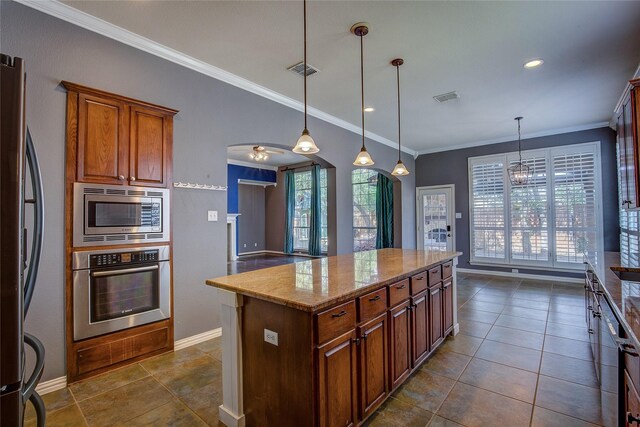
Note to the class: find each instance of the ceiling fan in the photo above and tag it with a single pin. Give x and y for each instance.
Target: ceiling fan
(258, 152)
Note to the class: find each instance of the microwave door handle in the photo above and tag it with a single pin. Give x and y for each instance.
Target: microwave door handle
(123, 271)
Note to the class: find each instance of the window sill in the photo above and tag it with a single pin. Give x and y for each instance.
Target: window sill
(579, 268)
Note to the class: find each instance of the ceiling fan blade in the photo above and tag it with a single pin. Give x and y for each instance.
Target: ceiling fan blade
(243, 149)
(273, 151)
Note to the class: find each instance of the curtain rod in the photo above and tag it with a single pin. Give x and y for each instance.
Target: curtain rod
(313, 163)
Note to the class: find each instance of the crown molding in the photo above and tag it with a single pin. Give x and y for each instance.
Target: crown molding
(251, 165)
(107, 29)
(510, 138)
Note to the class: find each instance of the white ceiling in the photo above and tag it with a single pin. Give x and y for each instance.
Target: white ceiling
(590, 50)
(286, 158)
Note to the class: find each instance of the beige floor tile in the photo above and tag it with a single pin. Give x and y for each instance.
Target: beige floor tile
(506, 354)
(212, 347)
(69, 416)
(124, 403)
(474, 329)
(157, 364)
(526, 303)
(475, 407)
(192, 375)
(528, 313)
(397, 413)
(568, 347)
(569, 369)
(567, 331)
(85, 389)
(567, 319)
(484, 306)
(438, 421)
(546, 418)
(425, 390)
(173, 413)
(521, 323)
(571, 399)
(501, 379)
(205, 402)
(463, 344)
(516, 337)
(52, 401)
(446, 364)
(467, 313)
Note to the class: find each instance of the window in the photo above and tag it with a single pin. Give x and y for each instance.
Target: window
(552, 221)
(364, 183)
(302, 212)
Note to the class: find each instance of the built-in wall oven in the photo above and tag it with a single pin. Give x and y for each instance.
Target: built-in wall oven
(119, 214)
(119, 288)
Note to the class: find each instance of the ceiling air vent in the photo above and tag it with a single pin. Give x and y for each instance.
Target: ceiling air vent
(299, 69)
(447, 96)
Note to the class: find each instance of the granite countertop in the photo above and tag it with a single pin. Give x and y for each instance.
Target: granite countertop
(623, 295)
(319, 283)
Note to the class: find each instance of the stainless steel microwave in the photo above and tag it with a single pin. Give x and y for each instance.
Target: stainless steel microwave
(119, 214)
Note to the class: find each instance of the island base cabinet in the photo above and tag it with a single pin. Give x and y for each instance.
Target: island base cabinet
(435, 315)
(399, 344)
(337, 382)
(373, 372)
(447, 307)
(631, 402)
(419, 328)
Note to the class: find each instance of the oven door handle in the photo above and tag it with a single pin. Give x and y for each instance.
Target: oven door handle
(123, 271)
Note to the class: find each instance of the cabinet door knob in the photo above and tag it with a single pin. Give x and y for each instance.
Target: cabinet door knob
(133, 178)
(342, 313)
(632, 419)
(376, 298)
(121, 177)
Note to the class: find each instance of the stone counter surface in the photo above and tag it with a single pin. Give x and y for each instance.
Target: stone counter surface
(323, 282)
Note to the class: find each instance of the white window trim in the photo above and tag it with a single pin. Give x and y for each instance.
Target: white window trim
(548, 153)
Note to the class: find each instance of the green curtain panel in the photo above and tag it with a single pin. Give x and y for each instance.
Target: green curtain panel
(315, 226)
(290, 200)
(384, 212)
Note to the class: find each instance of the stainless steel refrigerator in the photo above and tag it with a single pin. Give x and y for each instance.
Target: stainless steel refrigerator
(20, 248)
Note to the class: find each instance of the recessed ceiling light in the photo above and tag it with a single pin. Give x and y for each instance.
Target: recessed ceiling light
(369, 109)
(533, 63)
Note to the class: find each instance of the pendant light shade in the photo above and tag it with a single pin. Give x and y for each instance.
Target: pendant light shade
(363, 158)
(305, 144)
(400, 169)
(519, 173)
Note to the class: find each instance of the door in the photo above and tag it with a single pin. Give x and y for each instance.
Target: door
(337, 383)
(419, 328)
(373, 364)
(103, 146)
(400, 345)
(435, 315)
(150, 133)
(435, 212)
(447, 306)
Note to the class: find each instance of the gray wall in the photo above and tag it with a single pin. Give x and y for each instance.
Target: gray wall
(450, 167)
(251, 222)
(213, 115)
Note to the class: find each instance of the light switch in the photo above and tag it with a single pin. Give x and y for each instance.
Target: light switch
(212, 215)
(458, 215)
(271, 337)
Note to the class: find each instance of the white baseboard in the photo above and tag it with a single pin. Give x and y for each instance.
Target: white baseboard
(51, 385)
(521, 275)
(196, 339)
(61, 382)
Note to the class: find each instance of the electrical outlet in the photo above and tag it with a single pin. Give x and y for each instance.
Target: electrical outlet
(212, 215)
(245, 245)
(458, 215)
(271, 337)
(255, 244)
(514, 270)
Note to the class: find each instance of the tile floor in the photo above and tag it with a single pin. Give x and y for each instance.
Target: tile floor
(522, 358)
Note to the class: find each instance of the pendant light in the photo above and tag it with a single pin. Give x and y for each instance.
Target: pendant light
(363, 158)
(519, 173)
(399, 169)
(305, 144)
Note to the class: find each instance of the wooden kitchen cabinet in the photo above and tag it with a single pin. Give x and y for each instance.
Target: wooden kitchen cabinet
(419, 328)
(337, 381)
(631, 402)
(119, 140)
(372, 355)
(447, 306)
(628, 132)
(399, 344)
(436, 331)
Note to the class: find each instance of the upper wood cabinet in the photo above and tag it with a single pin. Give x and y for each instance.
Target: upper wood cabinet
(628, 131)
(119, 140)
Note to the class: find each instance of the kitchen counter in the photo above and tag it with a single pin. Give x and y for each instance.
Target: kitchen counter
(623, 295)
(319, 283)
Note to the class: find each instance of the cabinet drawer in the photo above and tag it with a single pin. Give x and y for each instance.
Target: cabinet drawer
(398, 292)
(372, 304)
(435, 275)
(335, 321)
(447, 269)
(418, 283)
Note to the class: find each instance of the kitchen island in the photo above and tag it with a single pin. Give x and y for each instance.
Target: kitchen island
(324, 342)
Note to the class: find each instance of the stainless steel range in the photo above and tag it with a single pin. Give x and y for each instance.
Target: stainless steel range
(119, 289)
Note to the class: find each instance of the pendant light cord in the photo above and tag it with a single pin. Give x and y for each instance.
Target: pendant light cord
(519, 143)
(398, 78)
(304, 9)
(362, 83)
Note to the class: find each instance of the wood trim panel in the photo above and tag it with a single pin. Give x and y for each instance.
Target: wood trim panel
(74, 87)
